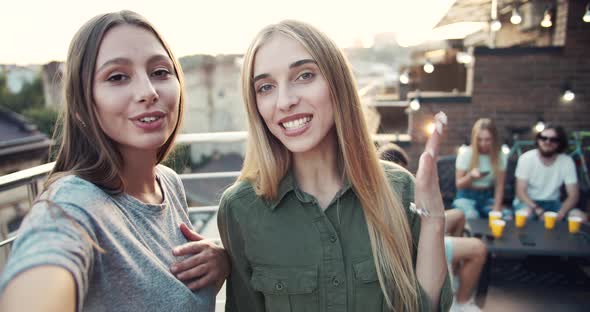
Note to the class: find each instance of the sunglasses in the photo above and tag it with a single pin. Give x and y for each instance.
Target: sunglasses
(548, 139)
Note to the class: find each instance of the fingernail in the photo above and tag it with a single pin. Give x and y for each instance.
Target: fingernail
(173, 268)
(175, 251)
(439, 127)
(442, 117)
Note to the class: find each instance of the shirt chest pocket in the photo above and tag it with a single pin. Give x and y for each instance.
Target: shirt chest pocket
(367, 290)
(287, 289)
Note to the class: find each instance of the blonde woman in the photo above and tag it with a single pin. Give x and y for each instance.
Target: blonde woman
(480, 172)
(101, 236)
(315, 222)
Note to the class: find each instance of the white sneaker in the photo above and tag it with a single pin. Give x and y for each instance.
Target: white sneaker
(468, 306)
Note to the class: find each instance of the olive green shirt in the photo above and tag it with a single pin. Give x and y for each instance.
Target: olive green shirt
(290, 255)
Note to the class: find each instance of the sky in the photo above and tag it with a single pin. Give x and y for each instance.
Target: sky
(36, 32)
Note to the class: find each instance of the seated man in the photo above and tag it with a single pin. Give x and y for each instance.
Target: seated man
(541, 172)
(465, 255)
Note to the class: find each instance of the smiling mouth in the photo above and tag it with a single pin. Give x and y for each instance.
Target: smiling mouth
(296, 124)
(148, 120)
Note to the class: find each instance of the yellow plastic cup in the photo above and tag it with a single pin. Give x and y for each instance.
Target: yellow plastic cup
(574, 223)
(550, 217)
(498, 228)
(521, 217)
(494, 215)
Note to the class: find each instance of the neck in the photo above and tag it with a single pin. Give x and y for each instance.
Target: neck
(318, 172)
(139, 173)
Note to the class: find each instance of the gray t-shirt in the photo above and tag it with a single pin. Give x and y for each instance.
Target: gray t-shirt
(133, 274)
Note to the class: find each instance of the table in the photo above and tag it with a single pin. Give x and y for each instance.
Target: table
(533, 239)
(556, 242)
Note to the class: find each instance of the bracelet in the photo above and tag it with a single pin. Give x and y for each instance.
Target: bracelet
(425, 212)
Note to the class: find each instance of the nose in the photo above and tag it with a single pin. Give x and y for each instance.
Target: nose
(287, 99)
(145, 91)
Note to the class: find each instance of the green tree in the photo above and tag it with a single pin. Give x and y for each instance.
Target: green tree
(179, 159)
(29, 97)
(44, 117)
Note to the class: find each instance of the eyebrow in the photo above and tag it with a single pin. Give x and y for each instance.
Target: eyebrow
(292, 65)
(126, 61)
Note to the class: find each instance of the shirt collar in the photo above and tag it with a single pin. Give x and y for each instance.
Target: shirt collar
(288, 184)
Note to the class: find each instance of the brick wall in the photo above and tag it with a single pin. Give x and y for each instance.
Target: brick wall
(516, 86)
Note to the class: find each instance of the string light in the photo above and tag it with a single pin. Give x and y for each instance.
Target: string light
(464, 58)
(540, 125)
(428, 67)
(496, 25)
(568, 95)
(546, 22)
(415, 104)
(404, 78)
(430, 128)
(515, 18)
(505, 149)
(586, 17)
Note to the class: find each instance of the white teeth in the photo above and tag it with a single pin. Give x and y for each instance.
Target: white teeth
(297, 123)
(149, 119)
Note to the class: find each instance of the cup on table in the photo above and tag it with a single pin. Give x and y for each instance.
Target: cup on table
(498, 228)
(494, 215)
(521, 217)
(550, 218)
(574, 223)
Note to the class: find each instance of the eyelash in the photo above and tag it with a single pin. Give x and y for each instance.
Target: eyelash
(162, 70)
(261, 88)
(117, 78)
(300, 77)
(160, 73)
(311, 75)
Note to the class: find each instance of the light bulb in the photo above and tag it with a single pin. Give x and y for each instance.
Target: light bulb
(586, 17)
(428, 67)
(515, 18)
(505, 149)
(415, 104)
(430, 128)
(464, 58)
(540, 126)
(404, 78)
(546, 22)
(495, 25)
(568, 95)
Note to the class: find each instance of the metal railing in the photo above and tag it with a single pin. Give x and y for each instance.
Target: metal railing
(31, 177)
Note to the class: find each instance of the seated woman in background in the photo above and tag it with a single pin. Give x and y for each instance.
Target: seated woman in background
(480, 172)
(101, 236)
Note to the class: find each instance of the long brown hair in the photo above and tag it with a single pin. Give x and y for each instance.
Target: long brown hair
(85, 150)
(489, 125)
(267, 160)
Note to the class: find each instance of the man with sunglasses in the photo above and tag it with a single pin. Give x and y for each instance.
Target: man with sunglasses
(541, 172)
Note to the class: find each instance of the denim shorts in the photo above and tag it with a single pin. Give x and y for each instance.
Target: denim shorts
(547, 205)
(474, 203)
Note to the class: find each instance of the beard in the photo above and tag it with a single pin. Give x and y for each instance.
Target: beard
(547, 154)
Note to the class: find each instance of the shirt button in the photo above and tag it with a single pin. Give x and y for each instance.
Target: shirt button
(335, 282)
(333, 238)
(279, 286)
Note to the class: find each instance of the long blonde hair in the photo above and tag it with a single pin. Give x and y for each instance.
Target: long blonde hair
(489, 125)
(85, 150)
(267, 160)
